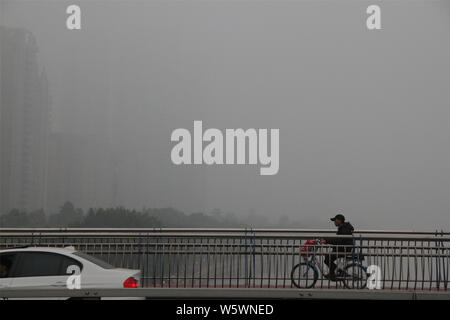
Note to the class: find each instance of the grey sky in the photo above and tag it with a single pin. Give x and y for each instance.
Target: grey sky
(364, 116)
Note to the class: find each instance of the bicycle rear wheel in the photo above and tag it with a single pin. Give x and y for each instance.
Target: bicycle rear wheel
(355, 276)
(304, 275)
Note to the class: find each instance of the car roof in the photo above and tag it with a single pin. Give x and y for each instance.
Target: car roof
(64, 250)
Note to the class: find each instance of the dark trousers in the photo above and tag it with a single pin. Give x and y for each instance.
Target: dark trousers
(331, 257)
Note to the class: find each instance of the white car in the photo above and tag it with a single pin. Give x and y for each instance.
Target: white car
(47, 268)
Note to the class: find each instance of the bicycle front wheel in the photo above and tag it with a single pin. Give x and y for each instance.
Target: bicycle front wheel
(355, 276)
(304, 275)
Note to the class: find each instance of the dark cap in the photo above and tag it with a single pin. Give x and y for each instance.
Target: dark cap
(339, 217)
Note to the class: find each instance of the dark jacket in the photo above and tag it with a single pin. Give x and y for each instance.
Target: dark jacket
(345, 229)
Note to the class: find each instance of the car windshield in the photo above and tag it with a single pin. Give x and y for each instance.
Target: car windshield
(94, 260)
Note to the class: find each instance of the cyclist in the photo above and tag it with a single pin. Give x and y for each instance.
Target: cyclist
(342, 245)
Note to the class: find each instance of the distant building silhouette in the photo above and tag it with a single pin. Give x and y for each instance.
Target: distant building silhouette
(24, 123)
(81, 171)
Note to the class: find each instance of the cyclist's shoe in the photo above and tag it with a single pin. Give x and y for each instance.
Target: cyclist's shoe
(331, 277)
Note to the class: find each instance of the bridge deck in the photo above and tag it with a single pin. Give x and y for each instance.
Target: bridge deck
(230, 293)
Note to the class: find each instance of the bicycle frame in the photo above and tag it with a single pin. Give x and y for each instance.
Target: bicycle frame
(312, 261)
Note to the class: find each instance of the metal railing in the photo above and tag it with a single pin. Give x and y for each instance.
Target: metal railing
(249, 258)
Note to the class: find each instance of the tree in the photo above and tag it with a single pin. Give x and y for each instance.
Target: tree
(14, 219)
(119, 217)
(68, 216)
(37, 218)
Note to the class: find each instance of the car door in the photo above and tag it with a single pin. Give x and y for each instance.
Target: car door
(42, 270)
(8, 261)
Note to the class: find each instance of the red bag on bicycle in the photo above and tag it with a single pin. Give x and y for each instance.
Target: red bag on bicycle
(308, 246)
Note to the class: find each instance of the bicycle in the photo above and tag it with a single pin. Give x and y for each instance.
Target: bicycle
(349, 271)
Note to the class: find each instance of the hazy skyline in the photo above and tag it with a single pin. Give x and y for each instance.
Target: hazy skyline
(364, 117)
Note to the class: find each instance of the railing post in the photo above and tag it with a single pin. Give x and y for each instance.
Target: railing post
(247, 279)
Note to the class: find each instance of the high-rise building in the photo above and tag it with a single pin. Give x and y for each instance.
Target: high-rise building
(80, 171)
(24, 123)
